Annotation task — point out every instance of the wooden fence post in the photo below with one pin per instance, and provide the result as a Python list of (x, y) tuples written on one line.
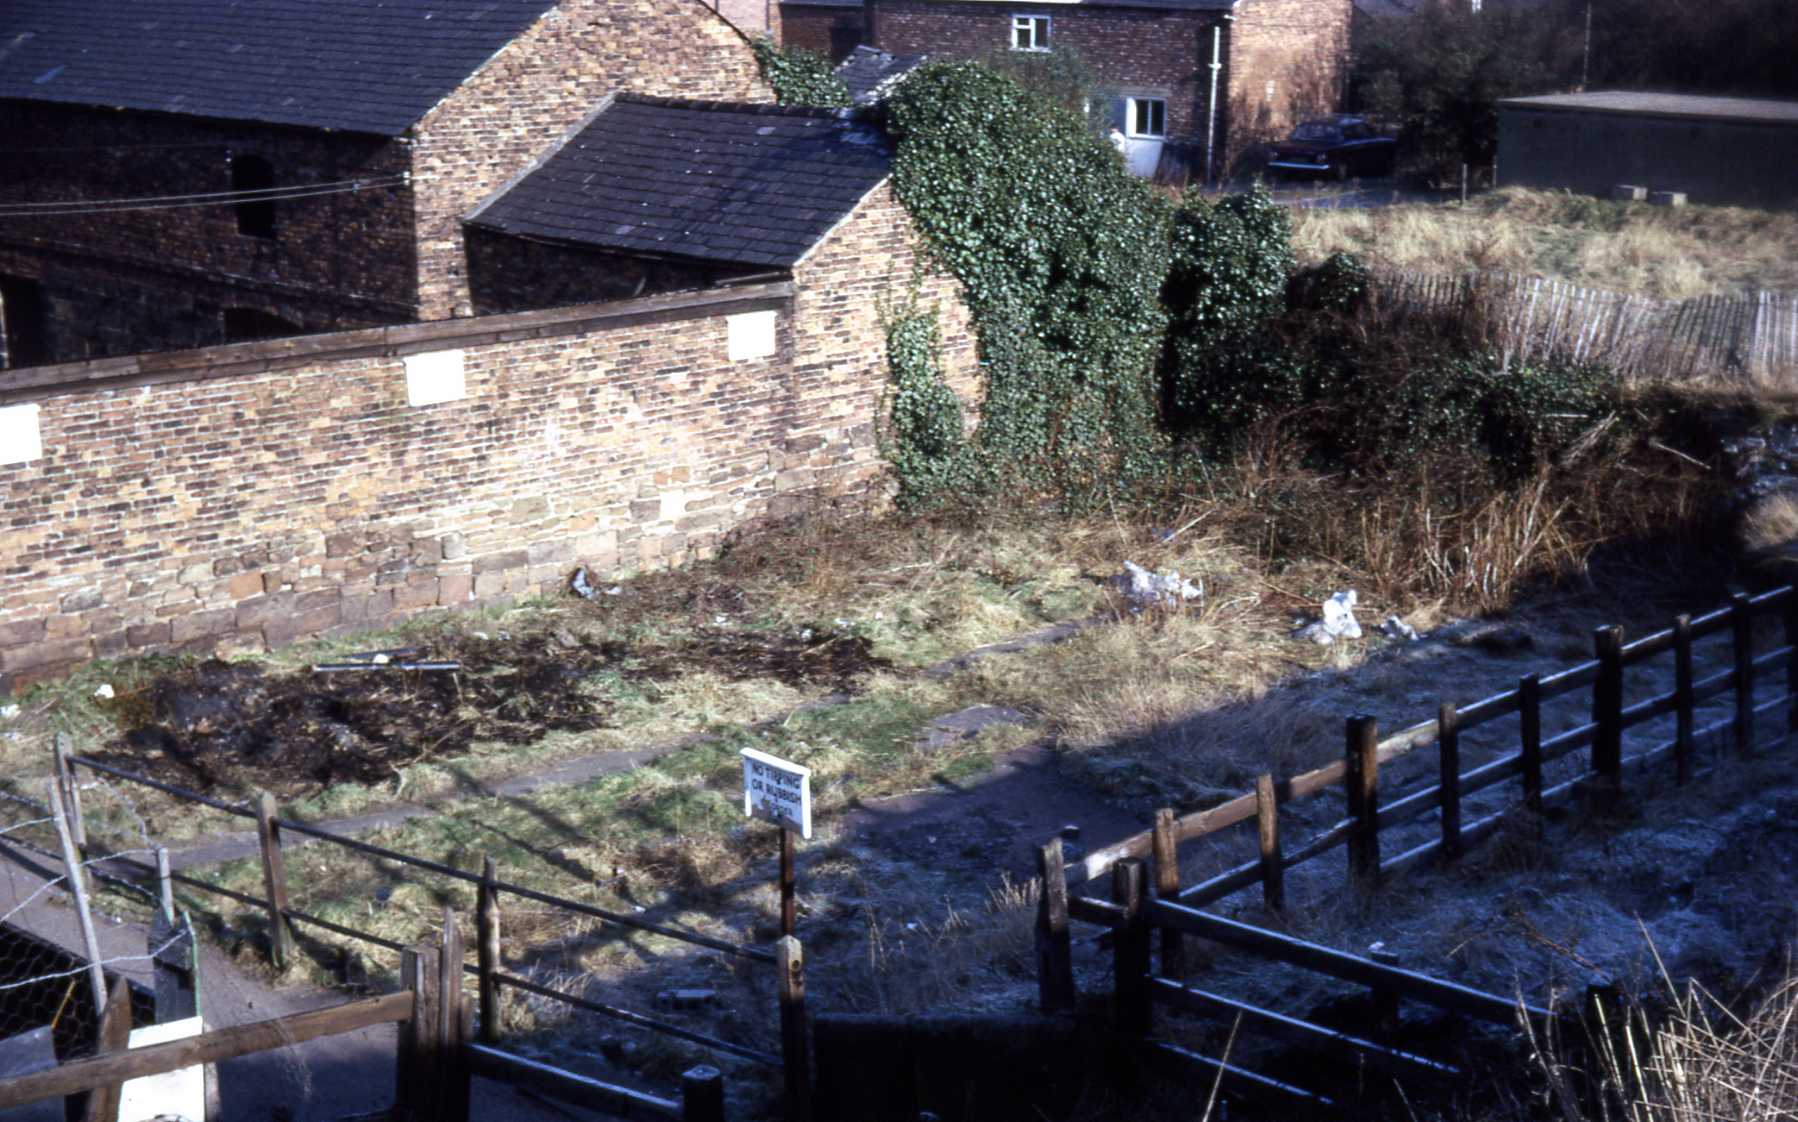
[(274, 880), (1165, 847), (702, 1094), (454, 1071), (789, 895), (1684, 738), (71, 792), (795, 1043), (1607, 711), (1362, 781), (1791, 641), (1529, 721), (1054, 946), (84, 916), (115, 1036), (487, 950), (417, 1096), (1273, 861), (1448, 741), (1130, 949), (1741, 621)]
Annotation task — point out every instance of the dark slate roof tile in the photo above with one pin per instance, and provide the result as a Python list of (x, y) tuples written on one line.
[(373, 66), (870, 73), (744, 184)]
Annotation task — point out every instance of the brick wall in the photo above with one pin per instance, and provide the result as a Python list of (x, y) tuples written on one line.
[(543, 83), (240, 497), (831, 29), (1288, 61), (122, 282)]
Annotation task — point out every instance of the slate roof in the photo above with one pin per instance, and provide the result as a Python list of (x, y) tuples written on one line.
[(714, 181), (1684, 106), (870, 73), (371, 66)]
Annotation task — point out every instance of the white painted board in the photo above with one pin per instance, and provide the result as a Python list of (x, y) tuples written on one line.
[(173, 1094), (777, 791), (750, 335), (21, 440), (434, 377)]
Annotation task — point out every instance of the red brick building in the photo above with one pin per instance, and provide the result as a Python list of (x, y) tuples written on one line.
[(1197, 81), (189, 175)]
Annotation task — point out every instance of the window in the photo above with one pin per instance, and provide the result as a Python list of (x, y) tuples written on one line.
[(1147, 117), (24, 323), (255, 217), (1029, 33)]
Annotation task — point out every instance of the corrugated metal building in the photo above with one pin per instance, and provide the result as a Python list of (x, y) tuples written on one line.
[(1717, 150)]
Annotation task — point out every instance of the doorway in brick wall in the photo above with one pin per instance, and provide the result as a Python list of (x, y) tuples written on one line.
[(24, 323)]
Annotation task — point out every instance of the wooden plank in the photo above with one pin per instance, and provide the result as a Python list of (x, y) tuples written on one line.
[(1339, 964), (1238, 1080), (1648, 709), (1223, 884), (567, 1087), (274, 880), (1607, 707), (1449, 779), (1529, 755), (115, 1037), (1639, 650), (1683, 698), (73, 876), (1270, 1023), (789, 884), (487, 950), (453, 1070), (1089, 910), (1166, 870), (208, 1048), (1487, 710), (1054, 947), (1267, 831), (1568, 680), (1789, 617), (702, 1094), (1742, 646), (1132, 1008), (795, 1032)]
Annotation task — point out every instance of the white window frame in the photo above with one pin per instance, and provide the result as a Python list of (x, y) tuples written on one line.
[(1130, 103), (1028, 25)]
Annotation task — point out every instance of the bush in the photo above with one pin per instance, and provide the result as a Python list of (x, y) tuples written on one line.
[(799, 76), (1061, 254)]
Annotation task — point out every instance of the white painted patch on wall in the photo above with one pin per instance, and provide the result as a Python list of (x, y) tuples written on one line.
[(21, 440), (751, 335), (435, 377), (552, 437)]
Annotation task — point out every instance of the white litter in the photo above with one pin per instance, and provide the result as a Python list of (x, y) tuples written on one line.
[(104, 693), (1396, 628), (1145, 589), (1338, 621), (8, 712)]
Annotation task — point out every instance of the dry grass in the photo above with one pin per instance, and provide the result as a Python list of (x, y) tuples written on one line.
[(1699, 1061), (1771, 523), (916, 966), (1625, 247)]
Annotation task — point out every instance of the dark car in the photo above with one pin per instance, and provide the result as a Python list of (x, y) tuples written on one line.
[(1341, 146)]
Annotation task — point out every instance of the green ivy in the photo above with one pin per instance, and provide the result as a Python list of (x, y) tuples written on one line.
[(1061, 254), (925, 443), (799, 76)]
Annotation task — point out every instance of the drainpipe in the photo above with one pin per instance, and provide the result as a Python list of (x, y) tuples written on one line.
[(1217, 38)]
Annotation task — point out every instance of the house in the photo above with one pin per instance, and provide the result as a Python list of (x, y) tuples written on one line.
[(830, 27), (1198, 81), (183, 174), (1713, 150)]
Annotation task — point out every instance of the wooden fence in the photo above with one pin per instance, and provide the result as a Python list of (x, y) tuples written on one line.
[(434, 1061), (786, 958), (1750, 338), (1146, 893)]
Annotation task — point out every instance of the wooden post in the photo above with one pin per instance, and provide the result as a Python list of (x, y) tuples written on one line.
[(795, 1042), (789, 905), (454, 1072), (174, 965), (165, 884), (1741, 621), (274, 881), (1448, 742), (1130, 950), (71, 790), (1363, 786), (417, 1095), (1165, 847), (115, 1036), (84, 916), (1607, 711), (1529, 720), (1273, 860), (702, 1094), (1791, 642), (487, 950), (1684, 738), (1054, 947)]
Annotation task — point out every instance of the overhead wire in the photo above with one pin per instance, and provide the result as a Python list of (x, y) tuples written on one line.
[(215, 198)]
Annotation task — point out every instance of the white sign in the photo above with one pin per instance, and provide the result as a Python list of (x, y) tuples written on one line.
[(435, 377), (750, 335), (21, 440), (777, 791)]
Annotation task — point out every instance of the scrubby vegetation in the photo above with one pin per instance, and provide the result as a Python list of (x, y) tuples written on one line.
[(800, 76)]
